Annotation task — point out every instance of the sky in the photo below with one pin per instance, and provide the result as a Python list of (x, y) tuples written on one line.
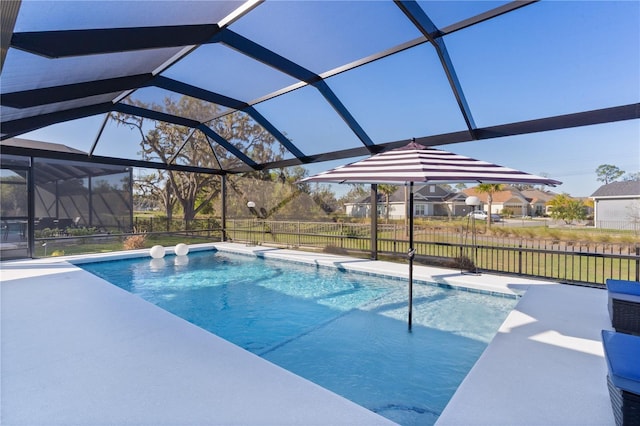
[(550, 58)]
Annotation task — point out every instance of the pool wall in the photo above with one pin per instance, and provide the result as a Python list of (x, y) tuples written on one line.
[(447, 278)]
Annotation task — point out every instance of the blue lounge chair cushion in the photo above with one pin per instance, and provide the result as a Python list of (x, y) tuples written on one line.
[(628, 291), (622, 352), (631, 288)]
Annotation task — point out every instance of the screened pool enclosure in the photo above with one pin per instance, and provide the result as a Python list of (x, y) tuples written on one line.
[(44, 197), (226, 88)]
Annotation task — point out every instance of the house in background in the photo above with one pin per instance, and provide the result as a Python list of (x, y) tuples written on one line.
[(617, 205), (509, 198), (538, 201), (436, 200), (428, 200), (526, 202)]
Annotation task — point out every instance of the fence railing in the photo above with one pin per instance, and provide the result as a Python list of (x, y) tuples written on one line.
[(628, 225), (105, 242), (450, 246), (565, 261), (162, 224)]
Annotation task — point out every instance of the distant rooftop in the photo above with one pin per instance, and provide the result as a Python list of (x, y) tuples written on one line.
[(618, 189), (39, 145)]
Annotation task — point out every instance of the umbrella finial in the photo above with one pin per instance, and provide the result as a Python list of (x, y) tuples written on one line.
[(411, 145)]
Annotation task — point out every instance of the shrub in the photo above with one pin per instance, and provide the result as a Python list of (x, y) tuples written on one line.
[(507, 212), (58, 253), (353, 231), (335, 250), (77, 232), (629, 239), (554, 234), (501, 231), (604, 238), (464, 263), (134, 242), (572, 237), (47, 233)]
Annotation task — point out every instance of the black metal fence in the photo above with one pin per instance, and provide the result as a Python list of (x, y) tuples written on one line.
[(153, 224), (565, 261), (148, 231), (588, 263)]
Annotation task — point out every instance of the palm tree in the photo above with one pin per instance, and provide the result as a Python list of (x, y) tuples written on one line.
[(489, 189), (387, 190)]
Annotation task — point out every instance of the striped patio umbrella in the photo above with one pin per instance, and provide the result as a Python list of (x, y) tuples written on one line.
[(415, 163)]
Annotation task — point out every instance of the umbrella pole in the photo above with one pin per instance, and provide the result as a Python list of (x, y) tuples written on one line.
[(411, 254)]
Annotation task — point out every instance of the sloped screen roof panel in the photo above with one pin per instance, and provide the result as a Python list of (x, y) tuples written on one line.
[(9, 113), (317, 80), (321, 36), (559, 68), (309, 122), (415, 101), (88, 14), (446, 13), (220, 69)]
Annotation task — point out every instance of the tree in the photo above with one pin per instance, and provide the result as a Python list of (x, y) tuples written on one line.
[(489, 189), (155, 189), (355, 193), (608, 173), (169, 143), (325, 199), (387, 190), (460, 186), (633, 215), (631, 177), (275, 199), (523, 186), (293, 175), (565, 208), (543, 187), (13, 196), (446, 186)]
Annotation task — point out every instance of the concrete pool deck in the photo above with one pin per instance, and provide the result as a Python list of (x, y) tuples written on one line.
[(77, 350)]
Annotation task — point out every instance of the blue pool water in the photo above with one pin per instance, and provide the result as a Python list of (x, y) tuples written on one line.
[(344, 331)]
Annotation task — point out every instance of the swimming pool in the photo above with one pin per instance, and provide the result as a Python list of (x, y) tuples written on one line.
[(344, 331)]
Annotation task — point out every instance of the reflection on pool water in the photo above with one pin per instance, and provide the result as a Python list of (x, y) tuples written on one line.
[(345, 331)]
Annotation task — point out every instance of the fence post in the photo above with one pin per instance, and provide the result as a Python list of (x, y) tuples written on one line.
[(637, 263), (520, 258), (395, 237)]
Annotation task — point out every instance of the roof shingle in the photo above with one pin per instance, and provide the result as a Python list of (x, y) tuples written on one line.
[(618, 189)]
